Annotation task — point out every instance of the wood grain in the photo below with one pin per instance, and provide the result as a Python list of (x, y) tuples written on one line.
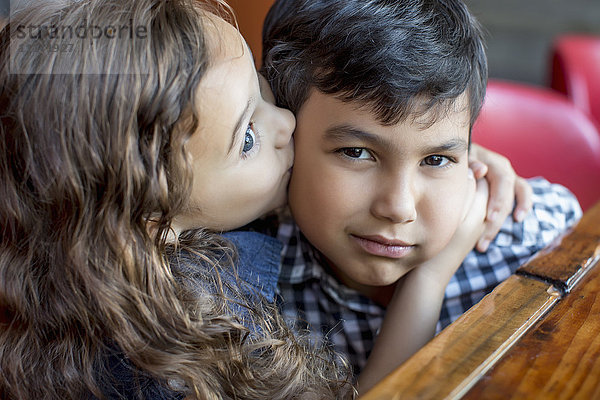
[(452, 362), (559, 358), (565, 261), (568, 258)]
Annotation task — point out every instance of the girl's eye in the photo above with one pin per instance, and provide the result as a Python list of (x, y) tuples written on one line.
[(249, 138), (358, 153), (436, 161)]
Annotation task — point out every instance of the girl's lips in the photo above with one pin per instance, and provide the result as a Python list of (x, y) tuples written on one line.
[(380, 246)]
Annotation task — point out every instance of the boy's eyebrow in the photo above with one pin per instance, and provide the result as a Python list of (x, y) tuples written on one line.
[(238, 126), (457, 144), (341, 133)]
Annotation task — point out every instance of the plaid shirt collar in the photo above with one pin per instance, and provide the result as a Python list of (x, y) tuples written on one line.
[(302, 263)]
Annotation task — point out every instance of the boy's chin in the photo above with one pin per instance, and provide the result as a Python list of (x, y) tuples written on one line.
[(380, 291), (381, 281)]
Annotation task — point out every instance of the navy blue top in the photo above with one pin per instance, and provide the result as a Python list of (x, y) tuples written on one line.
[(259, 261), (258, 266)]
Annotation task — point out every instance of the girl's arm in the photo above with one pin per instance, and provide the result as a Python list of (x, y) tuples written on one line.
[(414, 310), (508, 192)]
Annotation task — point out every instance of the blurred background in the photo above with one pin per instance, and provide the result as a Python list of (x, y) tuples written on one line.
[(519, 32)]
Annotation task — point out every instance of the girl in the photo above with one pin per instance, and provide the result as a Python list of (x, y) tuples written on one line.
[(124, 125)]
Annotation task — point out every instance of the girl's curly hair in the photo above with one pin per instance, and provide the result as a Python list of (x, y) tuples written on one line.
[(92, 153)]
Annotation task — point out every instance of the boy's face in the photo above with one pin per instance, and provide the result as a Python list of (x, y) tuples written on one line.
[(377, 200)]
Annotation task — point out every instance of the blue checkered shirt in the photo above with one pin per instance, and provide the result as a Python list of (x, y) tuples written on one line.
[(314, 300)]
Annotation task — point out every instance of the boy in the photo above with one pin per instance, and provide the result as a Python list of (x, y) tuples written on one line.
[(385, 94)]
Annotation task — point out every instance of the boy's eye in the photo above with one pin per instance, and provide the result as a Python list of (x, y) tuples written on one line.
[(357, 153), (436, 161), (249, 138)]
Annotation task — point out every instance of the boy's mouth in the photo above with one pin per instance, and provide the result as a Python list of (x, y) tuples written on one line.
[(383, 247)]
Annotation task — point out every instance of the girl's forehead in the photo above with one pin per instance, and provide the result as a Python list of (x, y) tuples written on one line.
[(224, 41), (228, 90)]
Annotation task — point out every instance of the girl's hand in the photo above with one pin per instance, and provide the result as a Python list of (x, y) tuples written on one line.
[(505, 188), (441, 268)]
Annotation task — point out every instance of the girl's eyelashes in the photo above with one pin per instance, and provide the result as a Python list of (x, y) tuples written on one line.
[(251, 141), (249, 138)]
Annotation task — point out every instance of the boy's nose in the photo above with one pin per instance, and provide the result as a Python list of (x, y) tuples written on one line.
[(396, 201), (285, 123)]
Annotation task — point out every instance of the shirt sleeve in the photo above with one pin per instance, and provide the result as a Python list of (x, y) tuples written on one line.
[(555, 209)]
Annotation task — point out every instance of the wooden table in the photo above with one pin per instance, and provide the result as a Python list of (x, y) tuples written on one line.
[(536, 336)]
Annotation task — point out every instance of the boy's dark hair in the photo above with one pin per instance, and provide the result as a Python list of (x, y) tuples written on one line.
[(398, 57)]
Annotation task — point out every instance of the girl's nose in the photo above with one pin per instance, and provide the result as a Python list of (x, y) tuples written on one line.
[(285, 124)]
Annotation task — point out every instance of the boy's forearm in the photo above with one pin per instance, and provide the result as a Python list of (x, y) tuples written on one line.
[(409, 324), (411, 316)]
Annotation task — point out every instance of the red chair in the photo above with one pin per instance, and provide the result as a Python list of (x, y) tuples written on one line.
[(543, 134), (576, 71)]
